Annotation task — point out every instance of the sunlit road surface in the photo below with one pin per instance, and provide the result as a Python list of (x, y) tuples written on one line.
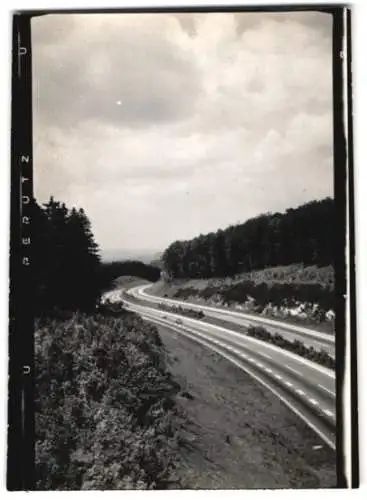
[(307, 388), (310, 338)]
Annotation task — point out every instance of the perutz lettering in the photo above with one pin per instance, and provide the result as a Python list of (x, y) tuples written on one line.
[(25, 199), (24, 179), (26, 241), (26, 220), (26, 370), (22, 51), (24, 159), (25, 261)]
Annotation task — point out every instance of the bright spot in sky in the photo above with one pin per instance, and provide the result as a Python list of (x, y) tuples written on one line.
[(119, 103)]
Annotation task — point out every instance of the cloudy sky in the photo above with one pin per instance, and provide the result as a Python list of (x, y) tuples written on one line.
[(165, 126)]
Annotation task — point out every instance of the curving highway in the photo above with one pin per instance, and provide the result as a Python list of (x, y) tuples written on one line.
[(307, 388), (318, 340)]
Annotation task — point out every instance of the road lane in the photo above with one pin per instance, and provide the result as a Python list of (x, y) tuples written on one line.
[(309, 337), (308, 372), (319, 414)]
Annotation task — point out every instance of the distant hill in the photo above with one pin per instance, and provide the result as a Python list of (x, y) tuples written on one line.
[(146, 256), (110, 271)]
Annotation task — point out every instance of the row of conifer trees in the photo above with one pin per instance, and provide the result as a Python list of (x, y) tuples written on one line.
[(305, 235), (65, 260)]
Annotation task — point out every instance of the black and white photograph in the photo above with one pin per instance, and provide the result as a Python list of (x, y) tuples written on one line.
[(187, 282)]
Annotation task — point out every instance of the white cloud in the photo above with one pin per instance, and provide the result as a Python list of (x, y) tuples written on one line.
[(171, 125)]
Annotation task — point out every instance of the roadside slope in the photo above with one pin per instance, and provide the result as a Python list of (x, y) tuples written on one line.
[(104, 404), (295, 294)]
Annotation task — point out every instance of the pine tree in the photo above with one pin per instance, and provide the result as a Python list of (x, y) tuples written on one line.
[(66, 259)]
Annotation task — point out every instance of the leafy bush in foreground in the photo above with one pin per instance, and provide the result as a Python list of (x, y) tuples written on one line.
[(321, 357), (105, 415)]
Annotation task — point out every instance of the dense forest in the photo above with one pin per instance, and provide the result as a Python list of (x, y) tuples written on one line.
[(67, 270), (303, 235)]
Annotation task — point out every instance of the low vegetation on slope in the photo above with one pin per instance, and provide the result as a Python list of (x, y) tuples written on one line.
[(297, 274), (105, 412), (256, 298)]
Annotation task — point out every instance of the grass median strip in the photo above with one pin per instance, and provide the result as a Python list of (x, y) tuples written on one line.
[(191, 313), (297, 347)]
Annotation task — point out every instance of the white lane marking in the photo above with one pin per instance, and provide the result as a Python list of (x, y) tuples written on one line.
[(317, 447), (329, 413), (300, 392), (306, 362), (259, 379), (313, 401), (266, 355), (278, 376), (293, 370), (326, 389), (259, 365), (252, 360), (268, 370), (289, 384)]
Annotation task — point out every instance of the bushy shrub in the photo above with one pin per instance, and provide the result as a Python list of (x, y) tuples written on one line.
[(105, 413), (185, 293), (293, 273)]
